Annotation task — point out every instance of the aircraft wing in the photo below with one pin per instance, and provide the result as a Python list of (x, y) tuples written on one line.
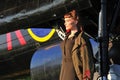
[(22, 14)]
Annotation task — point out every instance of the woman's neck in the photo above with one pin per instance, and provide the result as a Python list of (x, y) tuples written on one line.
[(72, 33)]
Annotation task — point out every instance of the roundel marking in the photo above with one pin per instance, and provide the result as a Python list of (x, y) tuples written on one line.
[(43, 38)]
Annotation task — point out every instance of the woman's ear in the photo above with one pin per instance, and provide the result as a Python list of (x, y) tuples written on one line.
[(77, 18), (76, 21)]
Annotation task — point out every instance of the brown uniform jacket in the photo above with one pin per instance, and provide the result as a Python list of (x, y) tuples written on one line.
[(67, 68), (83, 58)]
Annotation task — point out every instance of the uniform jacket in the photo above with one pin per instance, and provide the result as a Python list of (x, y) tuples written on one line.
[(82, 57), (67, 68)]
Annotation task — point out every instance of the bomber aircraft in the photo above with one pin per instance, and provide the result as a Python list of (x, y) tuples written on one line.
[(24, 23)]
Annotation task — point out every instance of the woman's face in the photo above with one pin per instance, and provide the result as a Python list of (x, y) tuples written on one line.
[(70, 23)]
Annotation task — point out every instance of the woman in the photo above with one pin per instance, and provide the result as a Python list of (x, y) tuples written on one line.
[(77, 62)]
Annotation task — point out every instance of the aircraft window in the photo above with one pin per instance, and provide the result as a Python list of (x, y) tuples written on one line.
[(45, 63)]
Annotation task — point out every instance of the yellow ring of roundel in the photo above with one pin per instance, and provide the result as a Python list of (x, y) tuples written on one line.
[(41, 39)]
